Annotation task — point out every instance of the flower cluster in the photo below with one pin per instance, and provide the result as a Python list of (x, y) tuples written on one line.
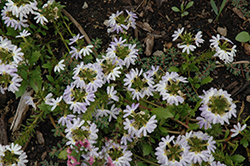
[(192, 148), (12, 155), (187, 40), (217, 107), (120, 23), (137, 124), (81, 49), (139, 84), (11, 56), (169, 88), (225, 48)]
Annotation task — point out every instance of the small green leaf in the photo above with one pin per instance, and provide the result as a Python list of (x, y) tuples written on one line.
[(63, 154), (189, 4), (35, 56), (222, 5), (21, 90), (197, 86), (147, 149), (173, 69), (162, 129), (50, 78), (47, 66), (206, 80), (237, 158), (243, 37), (194, 126), (162, 113), (185, 13), (214, 7), (33, 84), (175, 9), (244, 142)]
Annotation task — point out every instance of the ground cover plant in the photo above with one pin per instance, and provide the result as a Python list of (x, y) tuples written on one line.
[(116, 106)]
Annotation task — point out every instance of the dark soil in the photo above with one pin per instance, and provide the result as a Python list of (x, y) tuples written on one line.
[(163, 21)]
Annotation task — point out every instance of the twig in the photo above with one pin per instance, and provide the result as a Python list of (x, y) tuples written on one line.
[(79, 27), (139, 5), (239, 62), (53, 123)]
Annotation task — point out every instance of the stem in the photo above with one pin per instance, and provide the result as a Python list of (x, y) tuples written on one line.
[(150, 102), (67, 27), (62, 39), (53, 123), (180, 122), (150, 162)]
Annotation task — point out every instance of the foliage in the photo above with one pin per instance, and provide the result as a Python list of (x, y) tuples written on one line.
[(215, 9), (118, 105), (183, 9)]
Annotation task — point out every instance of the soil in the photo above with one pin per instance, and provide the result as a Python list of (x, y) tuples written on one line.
[(163, 21)]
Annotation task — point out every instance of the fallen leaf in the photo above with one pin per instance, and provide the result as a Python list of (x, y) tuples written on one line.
[(247, 48), (145, 26), (149, 40), (158, 53), (222, 31), (39, 137), (239, 13), (21, 111)]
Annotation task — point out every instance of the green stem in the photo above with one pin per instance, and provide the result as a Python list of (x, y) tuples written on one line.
[(147, 161), (67, 27), (150, 102), (62, 40)]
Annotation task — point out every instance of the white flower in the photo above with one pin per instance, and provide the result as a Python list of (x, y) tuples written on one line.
[(14, 148), (40, 18), (177, 33), (23, 34), (86, 50), (187, 48), (30, 101), (56, 102), (111, 93), (215, 41), (59, 66), (198, 39), (237, 129)]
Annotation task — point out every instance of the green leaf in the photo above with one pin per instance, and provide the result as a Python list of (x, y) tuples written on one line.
[(194, 126), (162, 113), (206, 80), (189, 4), (50, 78), (185, 13), (63, 154), (47, 66), (243, 37), (11, 32), (175, 9), (173, 69), (162, 129), (35, 56), (222, 6), (197, 86), (244, 142), (33, 84), (147, 149), (214, 7), (237, 158), (33, 26), (22, 89)]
